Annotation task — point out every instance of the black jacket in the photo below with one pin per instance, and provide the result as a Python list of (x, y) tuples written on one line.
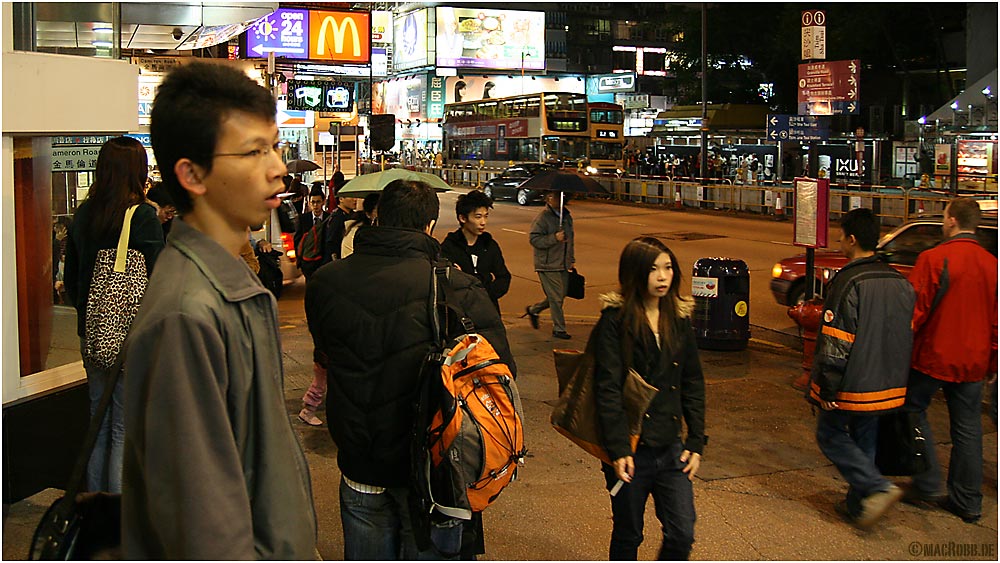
[(370, 314), (863, 348), (145, 235), (490, 267), (335, 234), (678, 377)]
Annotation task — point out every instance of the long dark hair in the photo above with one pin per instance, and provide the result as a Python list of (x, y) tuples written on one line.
[(119, 182), (636, 262)]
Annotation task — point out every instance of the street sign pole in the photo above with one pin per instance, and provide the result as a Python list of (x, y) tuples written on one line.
[(704, 93)]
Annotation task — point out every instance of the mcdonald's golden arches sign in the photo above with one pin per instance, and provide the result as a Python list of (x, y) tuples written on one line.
[(340, 36)]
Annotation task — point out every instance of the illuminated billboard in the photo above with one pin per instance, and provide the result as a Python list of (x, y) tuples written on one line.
[(320, 95), (405, 98), (381, 27), (282, 32), (495, 39), (340, 36), (410, 40)]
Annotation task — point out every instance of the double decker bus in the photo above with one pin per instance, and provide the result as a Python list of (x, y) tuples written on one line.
[(550, 127), (607, 138)]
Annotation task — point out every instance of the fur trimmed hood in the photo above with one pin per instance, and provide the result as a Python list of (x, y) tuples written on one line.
[(614, 299)]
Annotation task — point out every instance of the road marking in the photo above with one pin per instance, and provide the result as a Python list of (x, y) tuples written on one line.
[(513, 231), (628, 223)]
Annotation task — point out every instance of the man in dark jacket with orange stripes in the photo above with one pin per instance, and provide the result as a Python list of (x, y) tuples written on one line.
[(861, 366)]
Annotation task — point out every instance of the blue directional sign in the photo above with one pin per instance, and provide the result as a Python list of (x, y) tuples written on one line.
[(781, 127)]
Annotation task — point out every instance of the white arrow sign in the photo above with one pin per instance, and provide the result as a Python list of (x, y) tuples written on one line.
[(853, 67), (774, 120), (852, 81), (261, 49), (774, 134), (851, 107), (852, 94)]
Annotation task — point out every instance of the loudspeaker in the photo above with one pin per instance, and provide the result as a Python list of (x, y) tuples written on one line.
[(383, 131)]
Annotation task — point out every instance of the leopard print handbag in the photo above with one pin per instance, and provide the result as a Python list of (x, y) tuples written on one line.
[(116, 288)]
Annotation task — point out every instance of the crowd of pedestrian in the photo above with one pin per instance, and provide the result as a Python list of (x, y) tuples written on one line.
[(202, 449)]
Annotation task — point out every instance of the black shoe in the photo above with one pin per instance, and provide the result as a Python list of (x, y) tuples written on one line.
[(533, 317), (947, 504), (926, 501), (841, 508), (562, 335)]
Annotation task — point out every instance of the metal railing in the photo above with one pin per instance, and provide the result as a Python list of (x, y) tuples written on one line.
[(892, 205)]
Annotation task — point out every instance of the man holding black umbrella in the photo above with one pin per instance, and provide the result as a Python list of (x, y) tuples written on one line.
[(552, 238)]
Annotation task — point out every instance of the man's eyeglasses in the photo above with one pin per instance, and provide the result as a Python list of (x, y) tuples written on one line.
[(259, 152)]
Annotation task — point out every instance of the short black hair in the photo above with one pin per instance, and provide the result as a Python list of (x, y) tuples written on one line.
[(370, 202), (190, 106), (467, 203), (407, 204), (317, 190), (863, 225), (158, 195)]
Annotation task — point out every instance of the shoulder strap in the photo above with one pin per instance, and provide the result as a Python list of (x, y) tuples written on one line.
[(75, 484), (122, 251)]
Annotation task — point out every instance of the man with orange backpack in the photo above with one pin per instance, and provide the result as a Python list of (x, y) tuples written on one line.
[(379, 333)]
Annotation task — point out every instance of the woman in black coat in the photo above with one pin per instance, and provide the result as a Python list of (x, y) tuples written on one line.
[(647, 327), (473, 250)]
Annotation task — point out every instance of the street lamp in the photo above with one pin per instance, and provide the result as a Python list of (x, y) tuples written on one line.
[(954, 112)]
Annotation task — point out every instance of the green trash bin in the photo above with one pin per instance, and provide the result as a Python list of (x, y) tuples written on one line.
[(721, 291)]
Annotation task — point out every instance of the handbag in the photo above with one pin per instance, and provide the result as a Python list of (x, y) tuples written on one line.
[(116, 288), (902, 448), (83, 525), (575, 412), (576, 286)]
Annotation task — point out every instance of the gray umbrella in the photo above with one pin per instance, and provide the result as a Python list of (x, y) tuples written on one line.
[(300, 166)]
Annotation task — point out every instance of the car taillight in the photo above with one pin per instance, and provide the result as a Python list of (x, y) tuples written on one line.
[(288, 244)]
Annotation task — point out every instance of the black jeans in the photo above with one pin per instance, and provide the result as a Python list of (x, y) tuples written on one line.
[(658, 471)]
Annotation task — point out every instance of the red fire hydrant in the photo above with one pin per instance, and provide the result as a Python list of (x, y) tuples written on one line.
[(808, 316)]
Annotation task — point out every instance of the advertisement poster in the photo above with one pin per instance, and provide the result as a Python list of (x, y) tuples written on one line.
[(404, 98), (320, 95), (381, 27), (942, 159), (976, 164), (483, 38), (410, 40), (475, 88)]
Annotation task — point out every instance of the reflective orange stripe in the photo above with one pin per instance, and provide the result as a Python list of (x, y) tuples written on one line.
[(880, 406), (837, 333), (872, 395)]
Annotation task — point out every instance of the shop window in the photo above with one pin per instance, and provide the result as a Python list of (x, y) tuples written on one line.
[(44, 202)]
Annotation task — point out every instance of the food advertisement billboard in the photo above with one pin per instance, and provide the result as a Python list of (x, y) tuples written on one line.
[(410, 40), (495, 39)]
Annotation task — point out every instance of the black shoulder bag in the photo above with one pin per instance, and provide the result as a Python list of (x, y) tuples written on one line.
[(83, 525)]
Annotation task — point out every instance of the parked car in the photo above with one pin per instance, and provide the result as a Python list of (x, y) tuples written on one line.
[(508, 184), (900, 247)]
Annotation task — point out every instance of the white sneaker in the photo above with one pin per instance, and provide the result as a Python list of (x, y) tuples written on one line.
[(310, 418)]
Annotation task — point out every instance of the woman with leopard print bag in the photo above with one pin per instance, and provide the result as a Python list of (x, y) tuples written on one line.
[(114, 241)]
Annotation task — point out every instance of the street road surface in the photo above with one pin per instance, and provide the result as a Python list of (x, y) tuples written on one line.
[(603, 229)]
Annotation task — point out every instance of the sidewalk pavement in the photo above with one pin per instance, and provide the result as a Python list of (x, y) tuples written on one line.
[(764, 490)]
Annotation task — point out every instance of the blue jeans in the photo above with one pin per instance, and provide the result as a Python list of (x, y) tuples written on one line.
[(965, 469), (849, 441), (104, 470), (378, 528), (658, 471)]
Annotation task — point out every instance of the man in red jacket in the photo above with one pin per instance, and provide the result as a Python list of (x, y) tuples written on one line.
[(954, 348)]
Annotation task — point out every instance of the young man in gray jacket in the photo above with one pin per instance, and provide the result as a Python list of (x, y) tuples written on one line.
[(213, 469), (552, 238)]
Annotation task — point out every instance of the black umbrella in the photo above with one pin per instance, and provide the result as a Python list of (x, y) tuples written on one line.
[(300, 166), (564, 182)]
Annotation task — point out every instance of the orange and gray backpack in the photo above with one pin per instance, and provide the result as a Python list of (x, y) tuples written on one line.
[(468, 437)]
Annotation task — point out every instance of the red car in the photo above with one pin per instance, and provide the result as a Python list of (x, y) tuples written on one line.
[(901, 246)]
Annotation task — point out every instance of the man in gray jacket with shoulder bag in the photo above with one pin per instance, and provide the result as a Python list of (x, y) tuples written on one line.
[(552, 238)]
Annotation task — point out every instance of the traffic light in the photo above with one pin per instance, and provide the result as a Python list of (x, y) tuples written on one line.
[(383, 131)]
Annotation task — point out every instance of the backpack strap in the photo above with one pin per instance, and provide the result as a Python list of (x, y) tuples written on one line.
[(122, 251)]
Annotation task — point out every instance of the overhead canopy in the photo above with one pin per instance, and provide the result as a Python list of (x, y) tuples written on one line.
[(145, 25), (721, 117), (972, 96)]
